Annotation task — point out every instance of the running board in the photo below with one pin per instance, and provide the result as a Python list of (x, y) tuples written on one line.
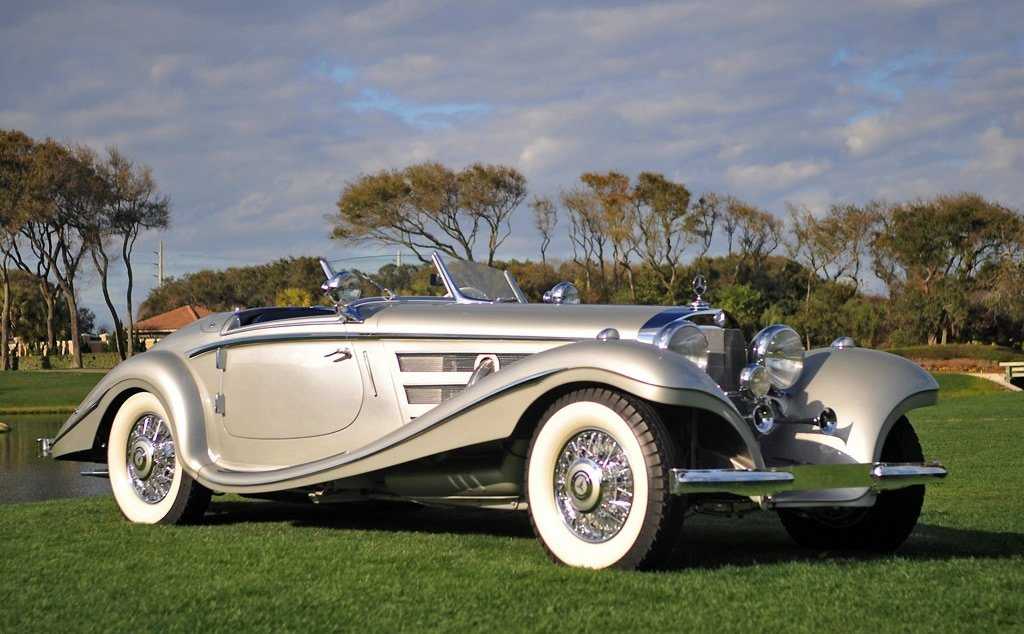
[(877, 476)]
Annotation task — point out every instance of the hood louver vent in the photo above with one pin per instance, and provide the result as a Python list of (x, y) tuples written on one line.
[(451, 362)]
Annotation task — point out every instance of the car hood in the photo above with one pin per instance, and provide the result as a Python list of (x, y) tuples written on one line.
[(564, 321)]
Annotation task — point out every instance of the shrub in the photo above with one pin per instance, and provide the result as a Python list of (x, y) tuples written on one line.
[(91, 361)]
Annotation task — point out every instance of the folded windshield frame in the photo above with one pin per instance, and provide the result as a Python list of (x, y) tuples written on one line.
[(473, 283)]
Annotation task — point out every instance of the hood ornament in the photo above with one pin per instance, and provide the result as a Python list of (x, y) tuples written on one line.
[(700, 286)]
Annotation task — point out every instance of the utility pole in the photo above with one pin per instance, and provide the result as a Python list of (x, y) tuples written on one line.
[(160, 264)]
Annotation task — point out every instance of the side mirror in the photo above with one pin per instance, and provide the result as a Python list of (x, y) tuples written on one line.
[(344, 287), (562, 293)]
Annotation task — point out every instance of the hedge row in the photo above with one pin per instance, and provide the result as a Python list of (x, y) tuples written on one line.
[(986, 352), (98, 360)]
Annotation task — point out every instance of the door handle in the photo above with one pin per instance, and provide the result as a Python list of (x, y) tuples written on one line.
[(343, 355)]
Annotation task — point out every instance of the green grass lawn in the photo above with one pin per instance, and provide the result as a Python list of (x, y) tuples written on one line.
[(44, 391), (77, 565)]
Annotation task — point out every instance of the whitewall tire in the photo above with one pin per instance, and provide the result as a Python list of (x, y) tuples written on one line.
[(597, 482), (146, 477)]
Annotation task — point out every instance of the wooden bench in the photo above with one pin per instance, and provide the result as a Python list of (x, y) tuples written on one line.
[(1014, 371)]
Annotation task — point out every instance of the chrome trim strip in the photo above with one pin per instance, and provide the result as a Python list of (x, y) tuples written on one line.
[(394, 439), (350, 336), (369, 373), (876, 476)]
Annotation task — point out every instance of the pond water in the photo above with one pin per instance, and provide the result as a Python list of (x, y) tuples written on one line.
[(27, 477)]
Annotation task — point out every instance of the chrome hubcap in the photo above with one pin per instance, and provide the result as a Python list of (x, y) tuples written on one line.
[(593, 486), (151, 458)]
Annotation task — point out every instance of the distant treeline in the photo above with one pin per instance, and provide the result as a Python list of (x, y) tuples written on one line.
[(952, 266)]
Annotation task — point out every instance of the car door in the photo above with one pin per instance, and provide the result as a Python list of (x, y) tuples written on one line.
[(289, 388)]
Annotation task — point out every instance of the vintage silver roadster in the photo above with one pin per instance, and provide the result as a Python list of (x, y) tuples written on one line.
[(609, 424)]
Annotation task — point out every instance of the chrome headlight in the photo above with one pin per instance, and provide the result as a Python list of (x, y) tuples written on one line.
[(779, 349), (684, 338)]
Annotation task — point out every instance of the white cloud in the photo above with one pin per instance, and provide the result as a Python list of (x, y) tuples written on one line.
[(774, 177), (872, 133), (733, 151), (243, 126), (997, 151)]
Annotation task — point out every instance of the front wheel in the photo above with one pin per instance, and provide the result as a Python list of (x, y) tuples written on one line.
[(879, 528), (146, 477), (597, 482)]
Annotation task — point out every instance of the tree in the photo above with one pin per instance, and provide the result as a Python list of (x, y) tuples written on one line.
[(71, 192), (703, 220), (416, 207), (588, 237), (15, 166), (545, 218), (757, 234), (834, 246), (28, 312), (933, 256), (427, 206), (664, 227), (489, 194), (613, 195), (293, 296), (130, 204)]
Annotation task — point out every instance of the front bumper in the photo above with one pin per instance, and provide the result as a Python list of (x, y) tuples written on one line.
[(877, 476)]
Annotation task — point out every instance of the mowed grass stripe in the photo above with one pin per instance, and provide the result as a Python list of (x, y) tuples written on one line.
[(45, 391)]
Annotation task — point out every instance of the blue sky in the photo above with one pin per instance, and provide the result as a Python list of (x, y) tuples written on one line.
[(253, 117)]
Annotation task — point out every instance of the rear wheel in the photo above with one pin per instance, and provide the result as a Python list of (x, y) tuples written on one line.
[(879, 528), (597, 482), (146, 477)]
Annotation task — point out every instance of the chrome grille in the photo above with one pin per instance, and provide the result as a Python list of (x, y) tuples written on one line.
[(431, 394), (727, 354), (449, 362), (735, 358)]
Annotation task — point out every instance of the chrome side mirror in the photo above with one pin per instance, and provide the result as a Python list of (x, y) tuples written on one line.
[(562, 293), (344, 287)]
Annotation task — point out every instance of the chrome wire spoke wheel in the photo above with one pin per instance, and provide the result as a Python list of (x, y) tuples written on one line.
[(593, 486), (150, 458)]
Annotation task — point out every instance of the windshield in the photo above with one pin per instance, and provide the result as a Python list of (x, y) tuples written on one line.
[(480, 282)]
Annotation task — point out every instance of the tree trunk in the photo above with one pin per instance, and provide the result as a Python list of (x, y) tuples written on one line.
[(5, 319), (129, 325), (102, 267), (630, 281), (51, 316), (76, 338)]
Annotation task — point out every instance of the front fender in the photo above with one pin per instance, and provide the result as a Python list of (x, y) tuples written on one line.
[(868, 389), (159, 372)]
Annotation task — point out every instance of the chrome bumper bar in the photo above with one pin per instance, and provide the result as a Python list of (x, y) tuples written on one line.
[(877, 476)]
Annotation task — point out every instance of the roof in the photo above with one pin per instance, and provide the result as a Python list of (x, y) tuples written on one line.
[(173, 319)]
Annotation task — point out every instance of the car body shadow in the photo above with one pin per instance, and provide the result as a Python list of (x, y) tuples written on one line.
[(706, 542)]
